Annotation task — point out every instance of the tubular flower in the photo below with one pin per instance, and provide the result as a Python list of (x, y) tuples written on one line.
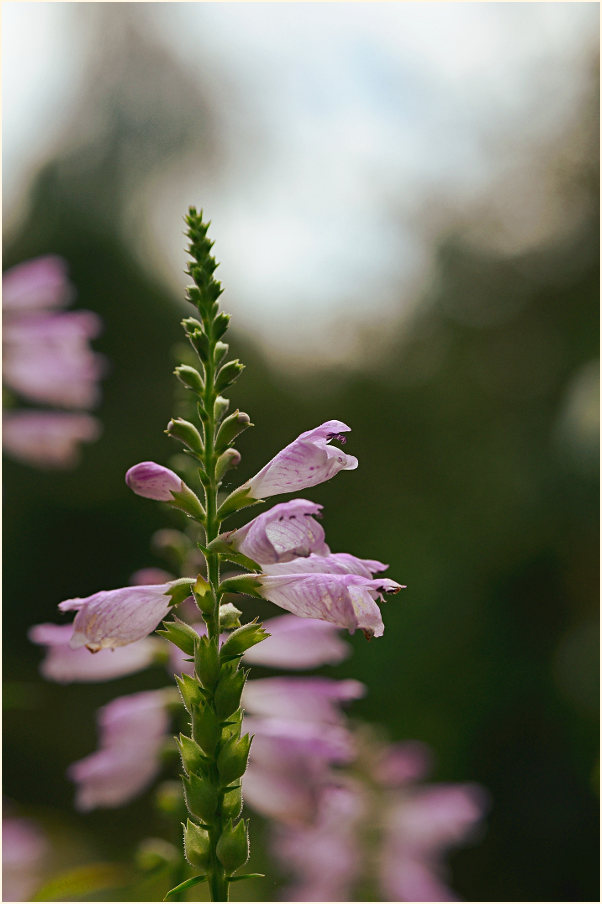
[(305, 462), (47, 439), (346, 600), (133, 731), (335, 563), (153, 481), (114, 618), (64, 664), (311, 699), (298, 643), (284, 532)]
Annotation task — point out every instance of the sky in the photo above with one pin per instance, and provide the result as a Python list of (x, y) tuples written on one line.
[(379, 124)]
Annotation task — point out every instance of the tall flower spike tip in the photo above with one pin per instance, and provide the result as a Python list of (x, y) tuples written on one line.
[(307, 461)]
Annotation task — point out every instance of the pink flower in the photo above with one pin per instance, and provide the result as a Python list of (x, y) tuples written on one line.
[(64, 664), (307, 699), (133, 731), (153, 481), (325, 857), (305, 462), (23, 848), (36, 285), (47, 439), (283, 532), (346, 600), (298, 643), (114, 618), (421, 825), (334, 563)]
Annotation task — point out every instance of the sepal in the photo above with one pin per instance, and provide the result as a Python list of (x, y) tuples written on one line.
[(192, 693), (191, 378), (193, 758), (232, 759), (190, 503), (233, 846), (242, 583), (203, 594), (180, 634), (219, 353), (197, 845), (206, 728), (228, 691), (179, 591), (232, 803), (201, 797), (206, 662), (220, 325), (238, 499), (242, 639)]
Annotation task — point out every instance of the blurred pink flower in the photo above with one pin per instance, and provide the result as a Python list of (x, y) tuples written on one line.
[(64, 664), (346, 600), (47, 439), (23, 848), (47, 359), (283, 532), (305, 462), (133, 731), (114, 618), (309, 699), (298, 643)]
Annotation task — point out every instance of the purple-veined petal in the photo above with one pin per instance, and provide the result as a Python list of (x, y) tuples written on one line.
[(305, 462), (283, 532), (298, 643), (64, 664), (345, 600), (309, 699), (47, 439), (114, 618), (154, 481), (334, 563)]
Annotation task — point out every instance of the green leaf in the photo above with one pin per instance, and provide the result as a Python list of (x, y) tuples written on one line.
[(183, 886), (246, 876)]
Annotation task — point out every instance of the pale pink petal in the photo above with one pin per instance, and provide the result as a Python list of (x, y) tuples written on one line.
[(298, 643), (151, 576), (114, 618), (153, 481), (47, 439), (334, 563), (305, 462), (309, 699), (23, 849), (64, 664), (283, 532), (37, 284), (435, 817), (345, 600), (399, 764)]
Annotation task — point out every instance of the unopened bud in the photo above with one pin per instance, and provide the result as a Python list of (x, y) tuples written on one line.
[(203, 594), (187, 433), (231, 427), (232, 805), (190, 377), (231, 458), (193, 758), (232, 759), (180, 634), (242, 639), (192, 695), (206, 663), (197, 845), (220, 324), (228, 374), (220, 408), (221, 350), (206, 728), (229, 616), (228, 691), (233, 846), (201, 797)]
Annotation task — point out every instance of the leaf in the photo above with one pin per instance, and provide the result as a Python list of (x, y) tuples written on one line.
[(183, 886), (247, 876), (83, 880)]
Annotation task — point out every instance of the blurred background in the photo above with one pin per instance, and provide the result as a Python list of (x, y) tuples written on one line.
[(404, 199)]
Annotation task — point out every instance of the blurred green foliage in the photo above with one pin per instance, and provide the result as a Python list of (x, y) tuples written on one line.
[(477, 483)]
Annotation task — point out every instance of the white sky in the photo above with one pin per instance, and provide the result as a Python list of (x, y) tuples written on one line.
[(370, 113)]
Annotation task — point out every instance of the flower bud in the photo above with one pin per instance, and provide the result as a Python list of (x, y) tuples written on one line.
[(153, 481), (221, 350), (197, 336), (153, 853), (232, 759), (233, 846), (228, 691), (180, 634), (230, 429), (231, 728), (206, 728), (231, 458), (201, 797), (229, 616), (193, 758), (197, 846), (220, 407), (190, 377), (232, 804), (228, 374), (187, 433), (220, 325), (206, 662), (243, 638)]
